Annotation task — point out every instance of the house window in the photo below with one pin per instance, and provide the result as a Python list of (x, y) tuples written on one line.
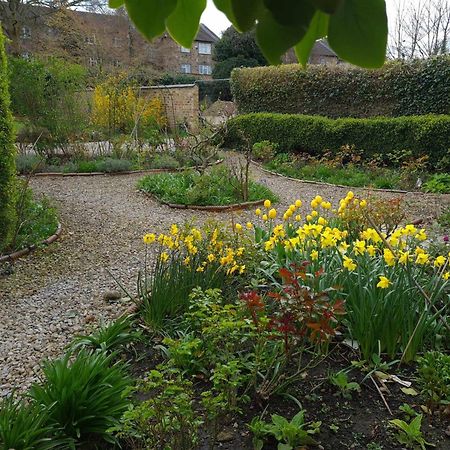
[(90, 39), (185, 50), (26, 55), (25, 33), (93, 62), (116, 41), (204, 48), (204, 70), (116, 63), (185, 68)]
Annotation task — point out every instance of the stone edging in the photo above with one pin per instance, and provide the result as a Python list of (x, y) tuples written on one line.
[(128, 172), (25, 251), (321, 183), (221, 208)]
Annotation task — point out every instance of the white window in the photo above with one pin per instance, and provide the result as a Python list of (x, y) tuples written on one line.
[(25, 33), (93, 62), (116, 41), (185, 68), (204, 70), (26, 55), (185, 50), (90, 39), (204, 48)]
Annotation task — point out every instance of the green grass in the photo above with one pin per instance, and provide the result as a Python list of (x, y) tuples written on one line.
[(216, 188), (347, 176)]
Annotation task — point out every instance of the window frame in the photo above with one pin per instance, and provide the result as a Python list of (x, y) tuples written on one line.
[(187, 66), (207, 45)]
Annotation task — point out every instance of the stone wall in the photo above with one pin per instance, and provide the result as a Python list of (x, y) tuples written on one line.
[(180, 101)]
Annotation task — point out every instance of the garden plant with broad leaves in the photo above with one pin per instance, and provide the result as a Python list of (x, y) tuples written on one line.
[(357, 30)]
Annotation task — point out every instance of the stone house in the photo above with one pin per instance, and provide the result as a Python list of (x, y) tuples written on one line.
[(101, 42), (321, 53)]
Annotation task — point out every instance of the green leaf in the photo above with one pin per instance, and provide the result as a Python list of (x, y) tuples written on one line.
[(317, 29), (282, 446), (291, 12), (409, 391), (328, 6), (184, 21), (275, 39), (150, 16), (245, 13), (358, 32), (226, 7), (298, 419), (114, 4)]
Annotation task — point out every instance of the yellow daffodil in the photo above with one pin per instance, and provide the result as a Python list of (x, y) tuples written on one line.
[(186, 260), (422, 258), (298, 203), (321, 221), (164, 256), (384, 282), (149, 238), (174, 230), (211, 257), (267, 204), (389, 257), (404, 258), (249, 225), (314, 255), (258, 212), (359, 247), (446, 276), (439, 261), (421, 235), (264, 217), (349, 264), (238, 227), (298, 218), (363, 203), (371, 250), (272, 213)]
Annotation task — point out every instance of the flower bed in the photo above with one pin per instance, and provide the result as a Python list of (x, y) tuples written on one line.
[(216, 188), (320, 324)]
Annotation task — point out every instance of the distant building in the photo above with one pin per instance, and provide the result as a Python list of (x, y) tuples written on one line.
[(102, 41), (321, 53)]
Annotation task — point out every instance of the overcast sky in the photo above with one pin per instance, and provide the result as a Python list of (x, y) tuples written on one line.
[(218, 23)]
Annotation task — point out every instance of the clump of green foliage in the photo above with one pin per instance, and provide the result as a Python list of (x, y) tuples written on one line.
[(7, 156), (85, 396), (218, 188), (410, 434), (438, 183), (434, 377)]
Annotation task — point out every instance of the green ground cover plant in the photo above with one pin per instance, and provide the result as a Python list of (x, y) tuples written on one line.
[(219, 187)]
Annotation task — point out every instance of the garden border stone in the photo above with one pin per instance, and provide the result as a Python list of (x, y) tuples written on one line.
[(27, 250), (209, 208), (128, 172), (322, 183)]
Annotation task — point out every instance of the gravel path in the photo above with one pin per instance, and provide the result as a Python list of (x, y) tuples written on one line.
[(59, 291)]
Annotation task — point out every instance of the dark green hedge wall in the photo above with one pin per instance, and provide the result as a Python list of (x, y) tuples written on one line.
[(7, 155), (398, 89), (421, 135), (213, 90)]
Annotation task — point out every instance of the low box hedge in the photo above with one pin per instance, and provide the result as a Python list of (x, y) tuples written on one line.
[(422, 135)]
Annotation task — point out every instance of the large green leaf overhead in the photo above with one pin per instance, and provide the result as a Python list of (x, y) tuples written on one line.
[(358, 32), (184, 21), (356, 29)]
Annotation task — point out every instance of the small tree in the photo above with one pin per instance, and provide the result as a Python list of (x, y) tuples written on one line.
[(7, 155)]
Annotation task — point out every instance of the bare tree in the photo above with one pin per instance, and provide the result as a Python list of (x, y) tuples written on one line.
[(421, 29), (14, 14)]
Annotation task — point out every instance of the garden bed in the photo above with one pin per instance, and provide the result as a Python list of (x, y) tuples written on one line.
[(217, 190), (400, 180)]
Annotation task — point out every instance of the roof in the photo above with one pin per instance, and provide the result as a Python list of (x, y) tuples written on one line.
[(206, 35), (322, 48)]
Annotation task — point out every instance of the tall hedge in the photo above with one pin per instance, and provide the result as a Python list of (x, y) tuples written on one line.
[(398, 89), (422, 135), (7, 154)]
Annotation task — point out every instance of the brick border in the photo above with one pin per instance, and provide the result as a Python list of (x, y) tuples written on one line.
[(25, 251)]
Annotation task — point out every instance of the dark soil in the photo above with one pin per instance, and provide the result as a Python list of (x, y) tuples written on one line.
[(359, 422)]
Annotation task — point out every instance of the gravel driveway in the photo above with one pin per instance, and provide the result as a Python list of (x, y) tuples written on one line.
[(59, 291)]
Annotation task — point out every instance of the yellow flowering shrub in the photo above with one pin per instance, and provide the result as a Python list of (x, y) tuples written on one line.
[(117, 106)]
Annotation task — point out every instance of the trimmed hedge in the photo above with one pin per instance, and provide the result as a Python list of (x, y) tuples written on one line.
[(429, 135), (7, 155), (398, 89)]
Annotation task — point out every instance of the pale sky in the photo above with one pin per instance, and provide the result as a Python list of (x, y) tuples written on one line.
[(217, 22)]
